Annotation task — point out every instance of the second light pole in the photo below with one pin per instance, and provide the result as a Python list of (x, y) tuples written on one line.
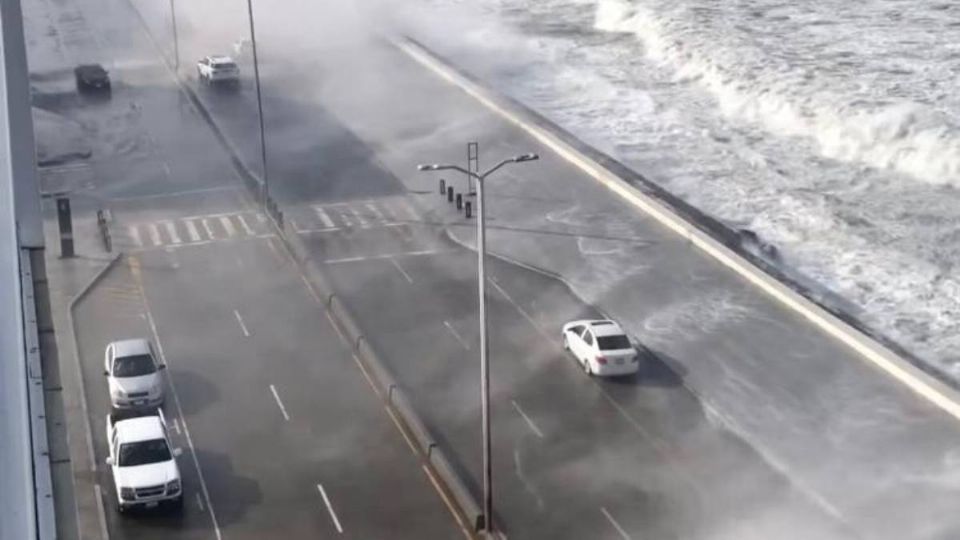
[(482, 291), (256, 79)]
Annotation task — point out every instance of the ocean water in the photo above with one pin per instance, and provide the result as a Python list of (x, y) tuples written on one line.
[(830, 128)]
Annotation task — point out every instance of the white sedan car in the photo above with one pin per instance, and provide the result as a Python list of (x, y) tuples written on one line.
[(601, 347), (133, 375)]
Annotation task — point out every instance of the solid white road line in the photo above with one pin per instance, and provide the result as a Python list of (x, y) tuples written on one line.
[(171, 232), (242, 326), (135, 235), (324, 218), (398, 267), (530, 423), (276, 396), (333, 515), (616, 525), (192, 230), (227, 225), (206, 227), (154, 234), (101, 512), (375, 257), (245, 225), (176, 401), (456, 335)]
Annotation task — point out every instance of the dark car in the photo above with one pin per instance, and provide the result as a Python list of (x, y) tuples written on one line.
[(92, 78)]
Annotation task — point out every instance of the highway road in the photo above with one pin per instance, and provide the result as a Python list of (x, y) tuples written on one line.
[(874, 457), (283, 435), (797, 437)]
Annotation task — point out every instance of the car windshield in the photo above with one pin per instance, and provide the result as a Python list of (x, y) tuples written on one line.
[(133, 366), (225, 65), (613, 343), (144, 453)]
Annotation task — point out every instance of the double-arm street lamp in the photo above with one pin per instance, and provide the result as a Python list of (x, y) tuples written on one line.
[(482, 289)]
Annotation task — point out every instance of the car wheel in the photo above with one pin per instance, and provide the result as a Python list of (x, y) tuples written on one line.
[(121, 509), (587, 369)]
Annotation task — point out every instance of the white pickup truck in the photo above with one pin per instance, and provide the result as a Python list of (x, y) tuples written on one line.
[(142, 461)]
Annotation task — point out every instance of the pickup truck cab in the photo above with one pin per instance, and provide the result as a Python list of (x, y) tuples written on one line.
[(143, 463), (218, 69)]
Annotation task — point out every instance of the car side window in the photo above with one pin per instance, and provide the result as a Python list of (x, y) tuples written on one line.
[(577, 330), (588, 338)]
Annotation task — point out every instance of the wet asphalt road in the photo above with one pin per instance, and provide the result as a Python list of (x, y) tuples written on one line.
[(575, 457)]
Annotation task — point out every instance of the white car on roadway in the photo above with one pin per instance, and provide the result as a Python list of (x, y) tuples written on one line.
[(133, 375), (601, 347), (142, 461), (218, 69)]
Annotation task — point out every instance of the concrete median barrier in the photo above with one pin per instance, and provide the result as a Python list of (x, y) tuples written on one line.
[(457, 489)]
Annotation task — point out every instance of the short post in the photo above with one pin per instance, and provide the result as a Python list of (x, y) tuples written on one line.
[(467, 209), (459, 201), (449, 193), (443, 186), (66, 227)]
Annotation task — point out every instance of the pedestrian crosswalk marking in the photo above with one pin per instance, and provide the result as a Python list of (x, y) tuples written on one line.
[(324, 218), (346, 219), (409, 210), (376, 212), (135, 236), (246, 227), (206, 227), (359, 216), (261, 218), (154, 234), (172, 232), (192, 230), (227, 225)]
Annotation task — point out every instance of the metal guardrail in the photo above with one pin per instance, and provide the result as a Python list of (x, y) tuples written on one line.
[(26, 501)]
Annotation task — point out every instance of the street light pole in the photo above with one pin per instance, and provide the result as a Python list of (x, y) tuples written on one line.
[(256, 78), (484, 342), (176, 39)]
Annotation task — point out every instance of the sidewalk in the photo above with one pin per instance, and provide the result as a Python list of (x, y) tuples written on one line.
[(75, 480)]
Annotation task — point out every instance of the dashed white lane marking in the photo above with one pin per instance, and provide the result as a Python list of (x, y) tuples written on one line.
[(400, 268), (276, 396), (533, 427), (616, 525), (244, 225), (360, 219), (333, 515), (456, 335), (154, 234), (176, 425), (192, 230), (227, 225), (242, 325), (324, 218), (206, 226), (135, 235), (172, 232), (199, 501)]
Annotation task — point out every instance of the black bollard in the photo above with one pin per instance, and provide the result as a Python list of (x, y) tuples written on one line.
[(467, 211), (66, 227), (459, 201), (443, 186), (449, 193)]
